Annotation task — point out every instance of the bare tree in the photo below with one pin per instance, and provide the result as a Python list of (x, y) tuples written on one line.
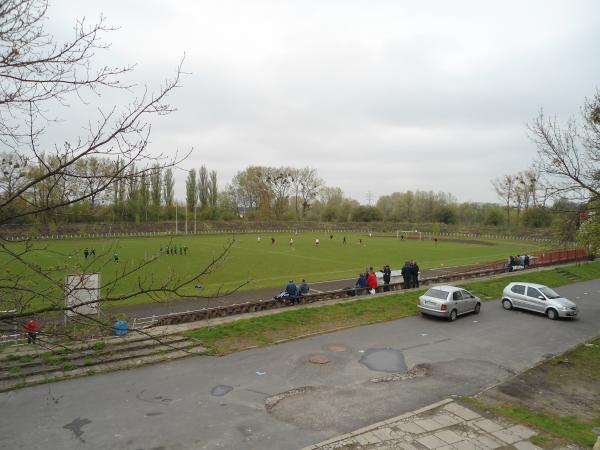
[(569, 154), (504, 188), (39, 74), (306, 185), (280, 181)]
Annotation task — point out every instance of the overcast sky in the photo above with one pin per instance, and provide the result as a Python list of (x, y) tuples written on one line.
[(378, 96)]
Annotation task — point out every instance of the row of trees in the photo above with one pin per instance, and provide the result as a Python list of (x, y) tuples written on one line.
[(258, 192), (202, 190)]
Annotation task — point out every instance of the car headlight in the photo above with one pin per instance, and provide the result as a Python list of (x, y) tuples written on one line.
[(564, 308)]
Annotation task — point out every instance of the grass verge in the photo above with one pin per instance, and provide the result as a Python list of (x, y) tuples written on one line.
[(567, 428), (266, 330)]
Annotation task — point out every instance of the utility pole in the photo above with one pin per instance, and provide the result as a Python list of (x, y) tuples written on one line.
[(176, 228), (186, 211), (195, 207)]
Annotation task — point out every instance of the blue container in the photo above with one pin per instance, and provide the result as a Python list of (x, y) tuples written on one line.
[(121, 328)]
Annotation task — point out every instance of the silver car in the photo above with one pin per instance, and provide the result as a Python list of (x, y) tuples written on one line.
[(449, 302), (538, 298)]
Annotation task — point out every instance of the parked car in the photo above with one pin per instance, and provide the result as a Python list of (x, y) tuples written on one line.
[(538, 298), (449, 302)]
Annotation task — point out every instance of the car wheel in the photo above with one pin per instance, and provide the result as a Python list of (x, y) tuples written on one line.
[(453, 315), (552, 314), (507, 304), (477, 309)]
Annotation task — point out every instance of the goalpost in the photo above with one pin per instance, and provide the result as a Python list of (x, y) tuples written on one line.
[(409, 234)]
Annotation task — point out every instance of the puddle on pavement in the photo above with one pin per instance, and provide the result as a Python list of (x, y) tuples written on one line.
[(220, 390), (384, 360)]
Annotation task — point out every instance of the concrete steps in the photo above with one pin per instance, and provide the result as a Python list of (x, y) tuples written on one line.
[(33, 366), (568, 275)]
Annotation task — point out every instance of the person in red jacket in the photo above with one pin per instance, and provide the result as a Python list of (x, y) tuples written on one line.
[(371, 280), (32, 328)]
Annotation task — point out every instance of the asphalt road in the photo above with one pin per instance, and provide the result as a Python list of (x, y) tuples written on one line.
[(212, 402)]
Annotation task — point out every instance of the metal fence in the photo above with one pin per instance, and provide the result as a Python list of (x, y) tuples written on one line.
[(424, 234)]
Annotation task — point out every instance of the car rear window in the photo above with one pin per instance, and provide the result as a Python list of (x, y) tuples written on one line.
[(437, 293), (518, 289)]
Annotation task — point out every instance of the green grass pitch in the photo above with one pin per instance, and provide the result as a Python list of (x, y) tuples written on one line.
[(258, 261)]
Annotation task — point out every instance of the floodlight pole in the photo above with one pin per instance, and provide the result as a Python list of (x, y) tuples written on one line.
[(176, 228), (195, 208), (186, 211)]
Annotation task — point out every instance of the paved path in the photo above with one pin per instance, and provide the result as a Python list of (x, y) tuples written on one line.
[(444, 425), (295, 394), (180, 305)]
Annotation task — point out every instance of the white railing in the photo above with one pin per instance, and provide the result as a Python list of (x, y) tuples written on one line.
[(12, 339), (247, 231)]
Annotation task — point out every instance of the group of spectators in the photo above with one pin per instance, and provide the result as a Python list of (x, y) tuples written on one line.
[(518, 262), (367, 281), (293, 292), (172, 249), (410, 274)]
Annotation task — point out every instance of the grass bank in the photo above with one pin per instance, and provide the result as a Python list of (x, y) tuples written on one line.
[(267, 330)]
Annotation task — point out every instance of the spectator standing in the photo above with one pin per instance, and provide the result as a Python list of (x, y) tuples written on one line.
[(406, 275), (415, 268), (32, 327), (86, 253), (387, 277), (371, 281)]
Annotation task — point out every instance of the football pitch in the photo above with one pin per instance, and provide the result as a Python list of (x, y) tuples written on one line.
[(257, 262)]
